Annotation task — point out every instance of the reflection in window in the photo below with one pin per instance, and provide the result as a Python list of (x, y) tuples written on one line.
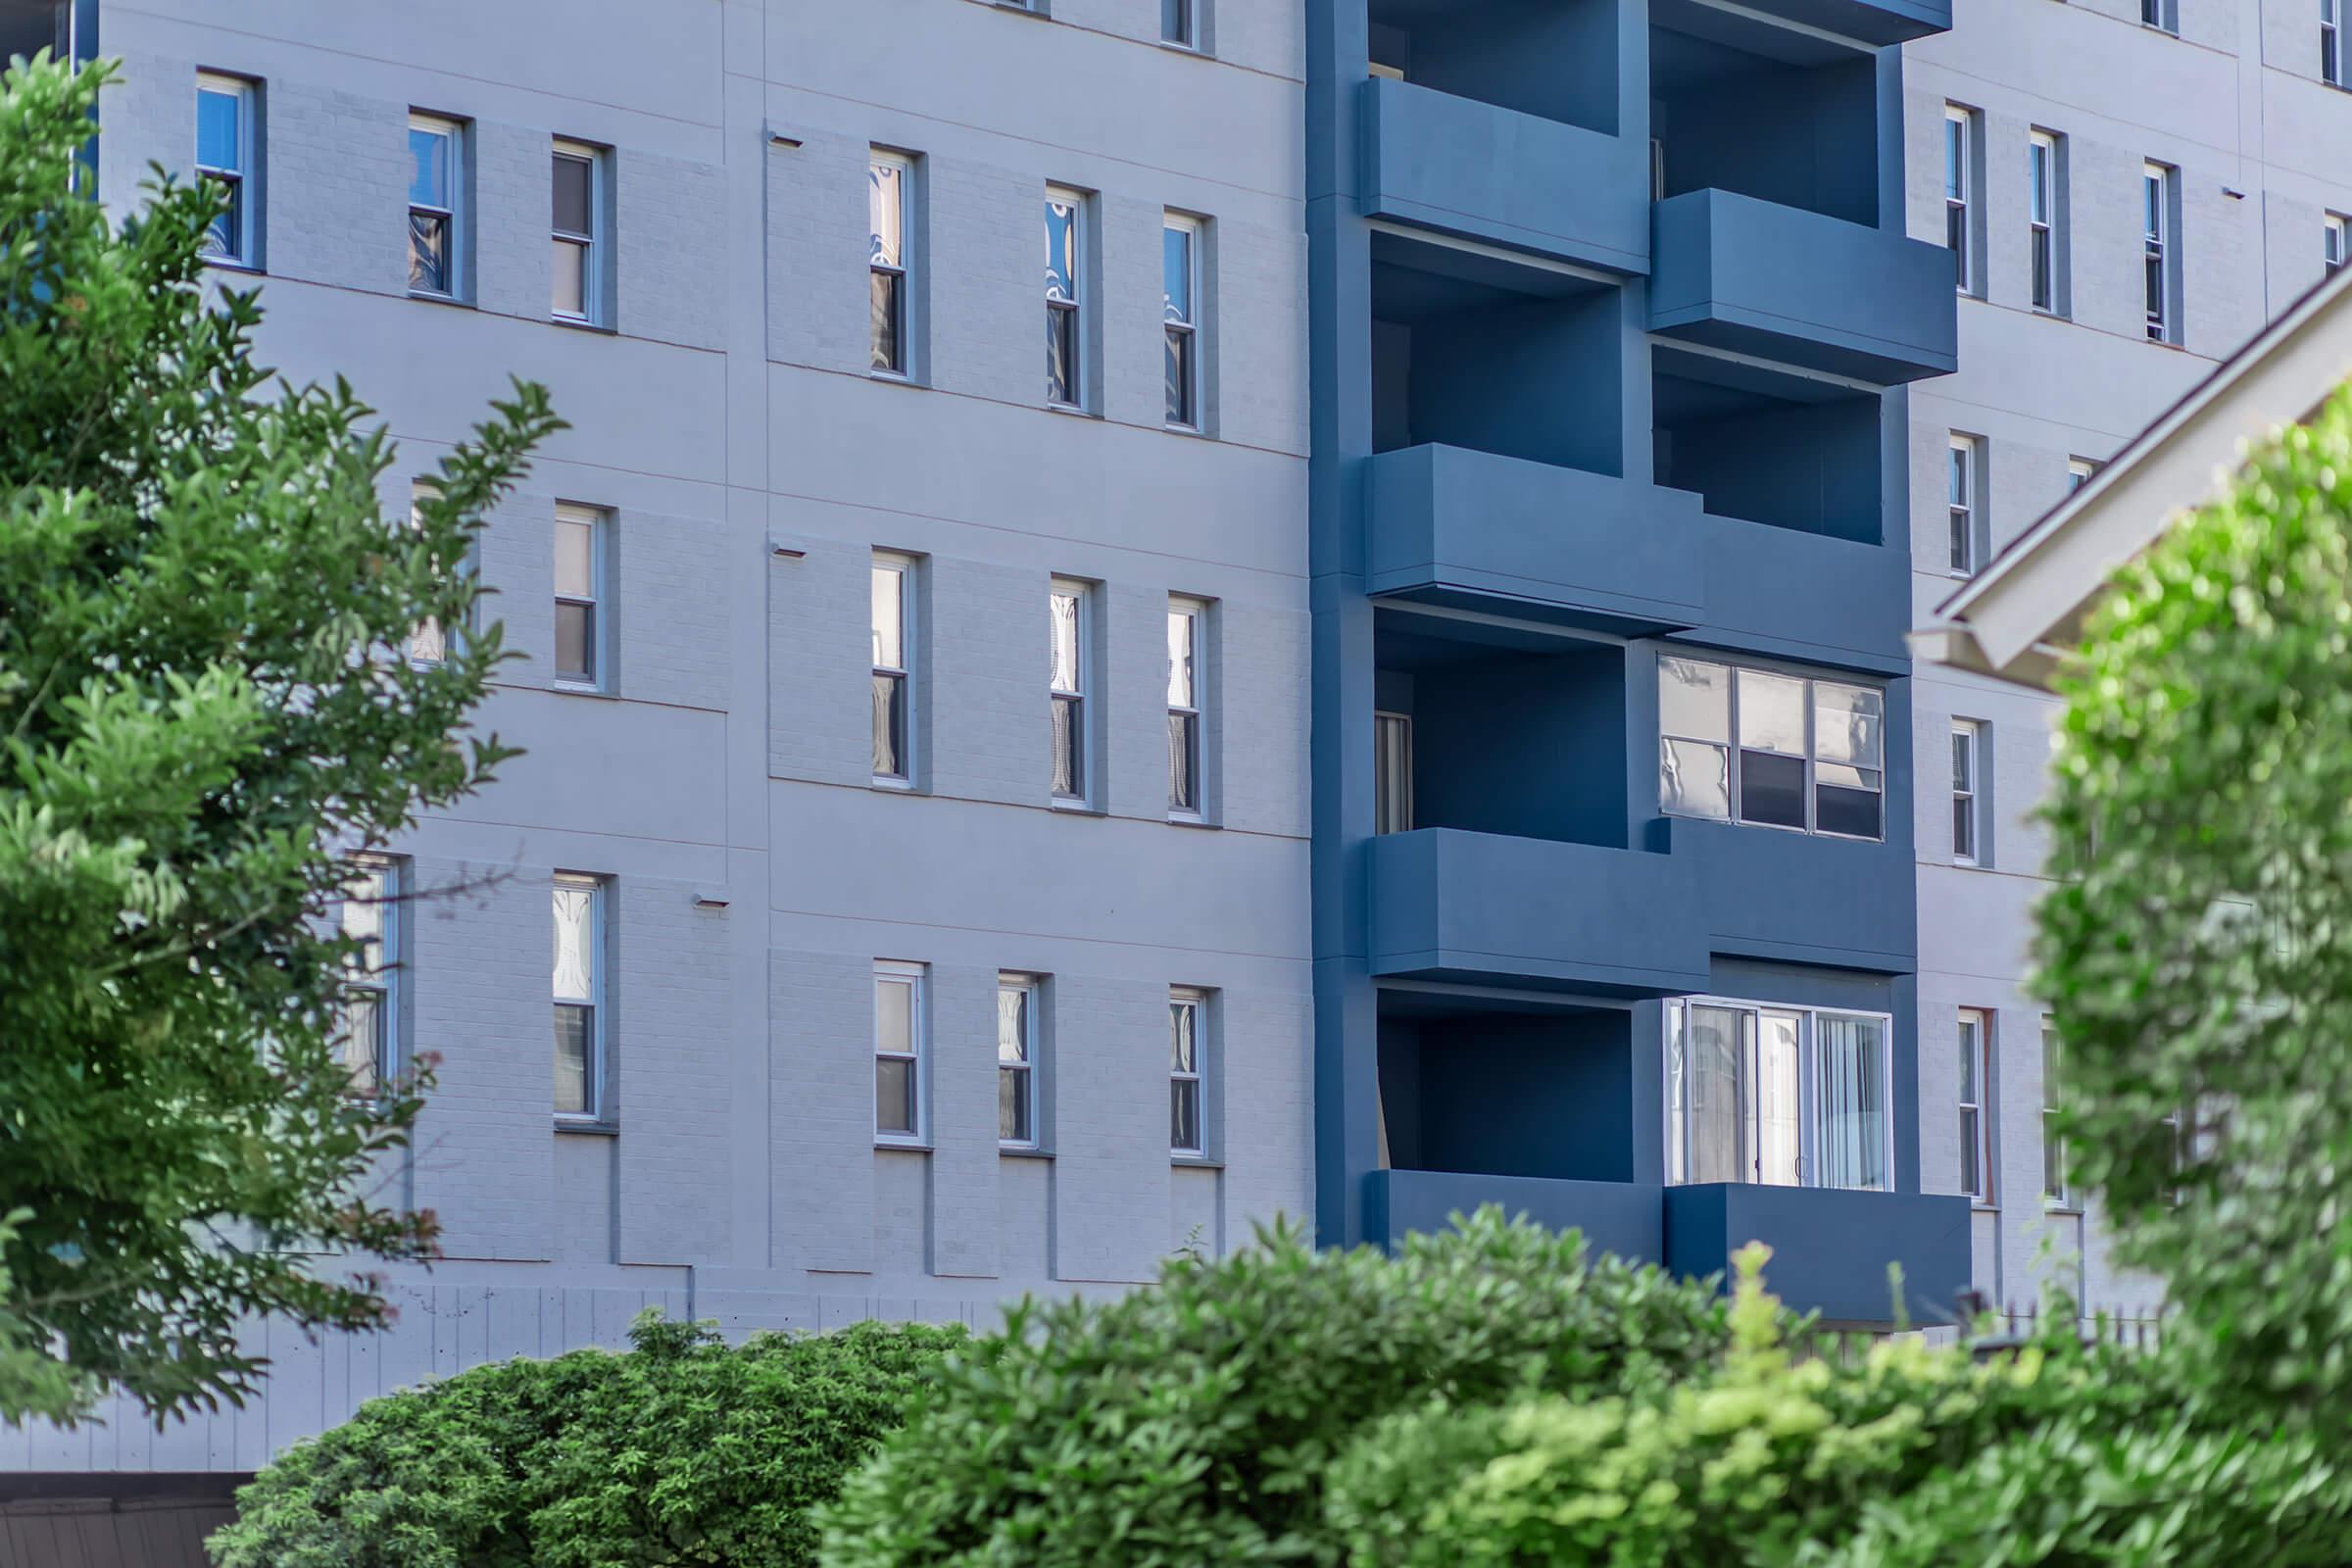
[(1065, 329), (1777, 1096), (579, 1065), (1810, 754)]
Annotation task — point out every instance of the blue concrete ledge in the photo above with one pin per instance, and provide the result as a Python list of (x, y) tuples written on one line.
[(1487, 909), (1786, 284), (1806, 596), (1462, 166), (1799, 898), (1618, 1218), (1830, 1248), (1877, 23), (1452, 526)]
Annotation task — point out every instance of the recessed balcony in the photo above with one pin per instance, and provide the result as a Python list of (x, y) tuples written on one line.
[(1623, 1218), (1831, 1248)]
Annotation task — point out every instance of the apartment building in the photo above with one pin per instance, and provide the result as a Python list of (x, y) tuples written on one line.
[(2135, 187), (909, 860)]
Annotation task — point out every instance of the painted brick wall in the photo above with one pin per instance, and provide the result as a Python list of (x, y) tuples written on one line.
[(820, 644), (821, 1110), (987, 279), (341, 161), (1110, 1195), (675, 1001), (818, 295), (962, 1174), (670, 217), (991, 727)]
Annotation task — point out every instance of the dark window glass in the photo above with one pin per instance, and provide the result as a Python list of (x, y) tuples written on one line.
[(575, 641), (1012, 1108), (1184, 1113), (574, 1031), (1772, 788), (1062, 354), (1854, 812), (1069, 763), (1183, 770), (890, 727), (894, 1096), (889, 318), (574, 203), (428, 253)]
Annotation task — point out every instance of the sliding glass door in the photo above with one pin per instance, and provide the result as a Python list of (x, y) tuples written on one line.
[(1785, 1097)]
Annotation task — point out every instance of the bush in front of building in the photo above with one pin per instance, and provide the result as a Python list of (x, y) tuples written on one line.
[(683, 1449), (1195, 1423)]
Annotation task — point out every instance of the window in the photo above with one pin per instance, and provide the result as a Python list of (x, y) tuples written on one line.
[(2041, 218), (2054, 1188), (1187, 1049), (1962, 494), (1976, 1104), (2338, 241), (579, 997), (1809, 753), (1392, 773), (1180, 311), (1180, 22), (889, 257), (370, 917), (1959, 185), (1783, 1096), (1016, 1061), (894, 664), (2162, 14), (2331, 47), (1184, 707), (2156, 202), (1067, 628), (436, 219), (2078, 473), (227, 147), (429, 643), (898, 1055), (579, 585), (1066, 325), (1967, 810), (576, 227)]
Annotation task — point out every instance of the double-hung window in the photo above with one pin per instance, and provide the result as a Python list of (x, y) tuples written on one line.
[(2337, 240), (1976, 1104), (2078, 473), (436, 206), (371, 919), (2162, 14), (1967, 810), (2056, 1192), (889, 260), (2041, 218), (1180, 22), (1188, 1136), (576, 227), (1778, 1095), (1065, 298), (1066, 627), (1959, 194), (894, 667), (2332, 43), (228, 158), (1961, 489), (1185, 619), (579, 976), (580, 551), (2156, 250), (899, 1060), (1016, 1061), (1392, 772), (1180, 313), (1809, 755)]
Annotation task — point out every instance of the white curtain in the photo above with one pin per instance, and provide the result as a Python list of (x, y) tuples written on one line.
[(1851, 1100)]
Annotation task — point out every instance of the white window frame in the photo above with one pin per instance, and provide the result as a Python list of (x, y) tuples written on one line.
[(1183, 332), (1076, 697), (1075, 306), (1963, 487), (597, 1060), (1968, 792), (901, 567), (1193, 614), (1959, 195), (903, 270), (2331, 44), (917, 978), (1180, 24), (1677, 1139), (2157, 258), (2162, 15), (2044, 291), (2079, 472), (245, 214), (1812, 760), (2056, 1192), (454, 248), (1023, 1073), (600, 663), (1399, 796), (1197, 1080), (591, 244), (2337, 243), (381, 881), (1975, 1057)]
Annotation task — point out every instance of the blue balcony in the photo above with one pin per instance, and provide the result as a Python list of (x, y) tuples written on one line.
[(1801, 898), (1536, 914), (1462, 166), (1794, 286), (1624, 1218), (1877, 23), (1805, 595), (1448, 526), (1829, 1248)]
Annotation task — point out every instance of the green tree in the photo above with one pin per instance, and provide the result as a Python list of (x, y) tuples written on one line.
[(205, 705)]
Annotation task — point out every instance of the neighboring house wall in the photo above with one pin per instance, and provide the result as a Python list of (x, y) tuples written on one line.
[(725, 783), (2236, 105)]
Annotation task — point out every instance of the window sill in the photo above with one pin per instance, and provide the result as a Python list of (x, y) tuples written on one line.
[(2069, 1209), (1076, 410), (579, 324), (1023, 1152), (1189, 819), (228, 264), (1192, 49), (896, 786), (1975, 1207), (573, 688), (440, 299), (1077, 808), (1194, 1162), (1197, 432), (897, 379), (587, 1127), (901, 1145)]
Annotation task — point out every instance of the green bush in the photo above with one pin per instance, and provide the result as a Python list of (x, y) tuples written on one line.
[(1194, 1423), (682, 1451)]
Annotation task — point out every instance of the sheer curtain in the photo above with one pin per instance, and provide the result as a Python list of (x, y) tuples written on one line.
[(1708, 1100), (1851, 1100)]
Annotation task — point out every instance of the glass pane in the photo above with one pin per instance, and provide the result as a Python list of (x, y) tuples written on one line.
[(1779, 1135), (2152, 204), (889, 618), (1176, 20), (1955, 156), (1695, 698), (1179, 658), (1392, 773), (1070, 764), (1062, 250), (1183, 1018), (1772, 788), (220, 234), (2037, 181), (1964, 760), (220, 142), (575, 1036), (575, 557), (428, 167), (574, 194), (1962, 554), (1012, 1024), (890, 727), (426, 645), (1012, 1108), (1179, 372), (1958, 483), (1176, 274), (894, 1016), (884, 308), (1848, 724), (1851, 1100), (1964, 827), (1061, 354), (1707, 1089), (363, 916), (364, 1040), (428, 253), (1854, 812), (1062, 612), (575, 641), (1184, 772), (1772, 712), (1972, 1174), (1184, 1115), (1694, 779), (1969, 1049), (570, 263), (2042, 268), (576, 935), (894, 1096), (886, 213)]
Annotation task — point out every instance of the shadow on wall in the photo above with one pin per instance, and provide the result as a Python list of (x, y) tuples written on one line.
[(113, 1520)]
